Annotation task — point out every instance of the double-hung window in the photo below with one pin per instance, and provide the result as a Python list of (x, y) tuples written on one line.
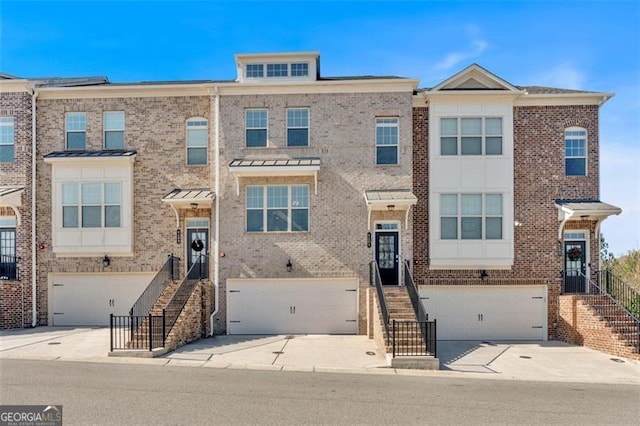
[(114, 130), (471, 216), (197, 136), (256, 128), (298, 127), (278, 208), (91, 205), (575, 151), (471, 136), (387, 140), (76, 130), (7, 139)]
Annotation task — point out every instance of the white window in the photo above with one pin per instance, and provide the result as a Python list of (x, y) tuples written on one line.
[(256, 128), (299, 70), (278, 208), (575, 151), (76, 130), (298, 127), (114, 130), (91, 205), (471, 216), (7, 139), (197, 137), (255, 70), (277, 70), (471, 136), (387, 140)]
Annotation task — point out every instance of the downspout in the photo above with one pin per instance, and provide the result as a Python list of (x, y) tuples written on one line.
[(34, 269), (216, 221)]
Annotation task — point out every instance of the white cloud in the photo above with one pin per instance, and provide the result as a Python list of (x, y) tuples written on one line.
[(478, 46), (563, 75)]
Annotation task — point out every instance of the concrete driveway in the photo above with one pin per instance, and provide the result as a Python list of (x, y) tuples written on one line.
[(535, 361)]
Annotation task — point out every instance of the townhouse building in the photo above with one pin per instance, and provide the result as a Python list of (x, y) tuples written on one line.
[(285, 194)]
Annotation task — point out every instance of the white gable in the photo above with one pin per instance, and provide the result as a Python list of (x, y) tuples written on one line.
[(474, 77)]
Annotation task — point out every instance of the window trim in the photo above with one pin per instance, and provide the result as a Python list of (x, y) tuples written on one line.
[(307, 127), (79, 204), (586, 150), (483, 216), (12, 143), (67, 130), (186, 144), (397, 144), (265, 209), (483, 136), (247, 128), (105, 130)]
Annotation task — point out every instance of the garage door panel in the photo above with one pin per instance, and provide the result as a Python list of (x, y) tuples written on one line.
[(89, 299), (292, 306), (487, 312)]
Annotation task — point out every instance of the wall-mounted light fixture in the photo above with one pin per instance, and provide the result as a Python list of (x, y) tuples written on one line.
[(483, 275), (178, 236), (106, 261), (289, 265), (368, 239), (194, 205), (390, 207)]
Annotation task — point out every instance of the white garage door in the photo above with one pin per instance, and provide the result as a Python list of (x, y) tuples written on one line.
[(292, 306), (487, 312), (88, 299)]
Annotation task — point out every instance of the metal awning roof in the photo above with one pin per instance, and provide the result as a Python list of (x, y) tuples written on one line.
[(188, 198), (389, 200), (243, 167), (584, 210), (104, 155), (11, 196)]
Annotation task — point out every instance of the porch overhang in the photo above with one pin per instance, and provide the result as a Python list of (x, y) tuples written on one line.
[(389, 200), (11, 196), (573, 210), (188, 199), (240, 167)]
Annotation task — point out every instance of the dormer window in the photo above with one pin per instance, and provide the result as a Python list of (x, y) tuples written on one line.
[(299, 70), (278, 67), (255, 70), (277, 70)]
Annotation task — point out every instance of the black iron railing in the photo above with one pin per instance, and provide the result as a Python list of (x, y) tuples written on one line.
[(626, 295), (180, 297), (9, 268), (375, 280), (421, 314), (158, 284), (129, 332), (414, 338), (617, 315)]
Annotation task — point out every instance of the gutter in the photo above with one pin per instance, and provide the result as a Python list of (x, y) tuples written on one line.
[(34, 270), (216, 200)]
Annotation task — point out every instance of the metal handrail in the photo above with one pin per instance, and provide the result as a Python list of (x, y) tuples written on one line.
[(166, 274), (9, 269), (376, 281), (621, 308), (177, 303), (628, 297), (414, 295)]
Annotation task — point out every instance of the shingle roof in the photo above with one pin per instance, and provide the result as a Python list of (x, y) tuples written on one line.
[(90, 154), (69, 81), (274, 162), (541, 90)]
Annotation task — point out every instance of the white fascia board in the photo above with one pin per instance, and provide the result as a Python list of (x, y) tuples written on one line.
[(275, 57), (470, 71), (84, 161), (274, 171), (15, 86), (128, 91), (563, 99), (318, 87), (398, 204), (473, 95), (186, 202)]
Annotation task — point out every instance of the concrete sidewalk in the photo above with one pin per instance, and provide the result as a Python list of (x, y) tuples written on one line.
[(532, 361)]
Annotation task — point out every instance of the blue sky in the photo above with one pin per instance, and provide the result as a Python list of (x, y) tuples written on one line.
[(572, 44)]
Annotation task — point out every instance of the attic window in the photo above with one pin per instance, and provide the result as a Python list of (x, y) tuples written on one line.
[(277, 70)]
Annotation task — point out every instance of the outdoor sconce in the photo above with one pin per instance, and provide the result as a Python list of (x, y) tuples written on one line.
[(483, 275), (368, 239), (390, 207), (289, 265), (178, 236), (194, 205), (106, 261)]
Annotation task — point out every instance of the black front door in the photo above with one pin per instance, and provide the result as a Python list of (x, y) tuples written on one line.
[(198, 249), (387, 257), (575, 267)]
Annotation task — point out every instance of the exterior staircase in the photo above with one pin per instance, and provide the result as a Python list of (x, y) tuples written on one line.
[(400, 309), (140, 338), (621, 323)]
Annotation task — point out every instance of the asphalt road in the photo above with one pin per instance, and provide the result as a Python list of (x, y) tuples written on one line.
[(130, 394)]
